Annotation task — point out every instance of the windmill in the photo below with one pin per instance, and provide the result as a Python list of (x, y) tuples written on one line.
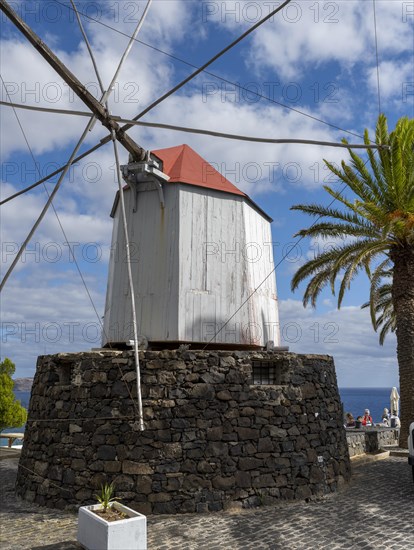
[(98, 110), (202, 250)]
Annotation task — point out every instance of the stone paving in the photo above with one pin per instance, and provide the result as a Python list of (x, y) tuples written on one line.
[(376, 511)]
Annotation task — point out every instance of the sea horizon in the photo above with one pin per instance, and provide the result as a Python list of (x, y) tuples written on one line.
[(356, 400), (367, 388)]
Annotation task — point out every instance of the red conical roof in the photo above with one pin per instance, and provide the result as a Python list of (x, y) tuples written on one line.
[(184, 165)]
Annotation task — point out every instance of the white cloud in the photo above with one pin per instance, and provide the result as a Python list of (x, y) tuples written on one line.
[(31, 81), (283, 51), (269, 166), (324, 32), (393, 76), (348, 336), (87, 231), (292, 165), (49, 312)]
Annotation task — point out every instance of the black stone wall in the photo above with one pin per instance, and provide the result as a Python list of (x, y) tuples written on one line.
[(213, 439), (370, 440)]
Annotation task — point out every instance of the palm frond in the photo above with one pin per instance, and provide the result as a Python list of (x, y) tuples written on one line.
[(397, 170), (315, 287), (375, 167), (380, 303), (329, 212), (375, 192), (313, 266), (336, 230), (379, 220), (358, 186), (326, 266), (387, 327), (338, 196), (366, 255), (382, 271)]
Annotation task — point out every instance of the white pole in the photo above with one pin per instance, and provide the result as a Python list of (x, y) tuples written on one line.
[(130, 281), (104, 100)]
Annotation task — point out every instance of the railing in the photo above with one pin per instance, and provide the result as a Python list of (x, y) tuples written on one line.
[(11, 437)]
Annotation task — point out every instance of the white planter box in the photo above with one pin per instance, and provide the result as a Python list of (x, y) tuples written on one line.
[(95, 533)]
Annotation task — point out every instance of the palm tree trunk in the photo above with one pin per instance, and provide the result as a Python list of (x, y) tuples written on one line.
[(403, 300)]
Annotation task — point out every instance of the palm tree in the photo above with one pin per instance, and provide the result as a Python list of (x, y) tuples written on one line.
[(381, 307), (378, 225)]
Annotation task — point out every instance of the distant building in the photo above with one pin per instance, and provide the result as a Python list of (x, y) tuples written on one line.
[(200, 248)]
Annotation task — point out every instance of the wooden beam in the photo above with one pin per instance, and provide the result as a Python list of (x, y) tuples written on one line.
[(137, 152)]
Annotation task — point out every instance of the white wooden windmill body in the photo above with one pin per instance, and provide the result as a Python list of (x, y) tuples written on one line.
[(200, 247)]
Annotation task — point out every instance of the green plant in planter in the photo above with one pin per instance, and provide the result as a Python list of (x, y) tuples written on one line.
[(105, 498), (110, 525)]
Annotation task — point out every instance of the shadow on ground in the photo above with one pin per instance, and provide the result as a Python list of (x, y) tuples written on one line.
[(68, 545)]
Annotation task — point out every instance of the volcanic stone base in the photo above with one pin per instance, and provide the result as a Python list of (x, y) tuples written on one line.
[(213, 438)]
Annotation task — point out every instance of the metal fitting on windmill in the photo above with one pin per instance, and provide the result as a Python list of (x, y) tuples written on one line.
[(147, 174)]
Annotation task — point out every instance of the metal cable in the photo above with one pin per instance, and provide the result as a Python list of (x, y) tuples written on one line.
[(176, 128), (209, 62), (239, 137), (128, 48), (71, 252), (120, 189), (44, 109), (105, 102), (376, 54), (46, 207), (195, 131), (125, 224), (124, 55), (88, 46), (218, 77), (273, 270), (51, 175)]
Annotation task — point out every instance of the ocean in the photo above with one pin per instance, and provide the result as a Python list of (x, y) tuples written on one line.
[(355, 400)]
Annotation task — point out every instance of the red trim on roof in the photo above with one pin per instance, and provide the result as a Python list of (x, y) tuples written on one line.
[(184, 165)]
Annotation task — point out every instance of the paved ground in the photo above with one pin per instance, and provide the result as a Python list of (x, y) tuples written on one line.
[(375, 512)]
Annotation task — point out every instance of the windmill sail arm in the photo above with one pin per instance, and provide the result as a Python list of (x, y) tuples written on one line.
[(137, 152)]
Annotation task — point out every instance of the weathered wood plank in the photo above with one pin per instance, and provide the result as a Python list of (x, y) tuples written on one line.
[(196, 266)]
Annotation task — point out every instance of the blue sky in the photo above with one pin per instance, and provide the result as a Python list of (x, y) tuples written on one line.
[(309, 73)]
